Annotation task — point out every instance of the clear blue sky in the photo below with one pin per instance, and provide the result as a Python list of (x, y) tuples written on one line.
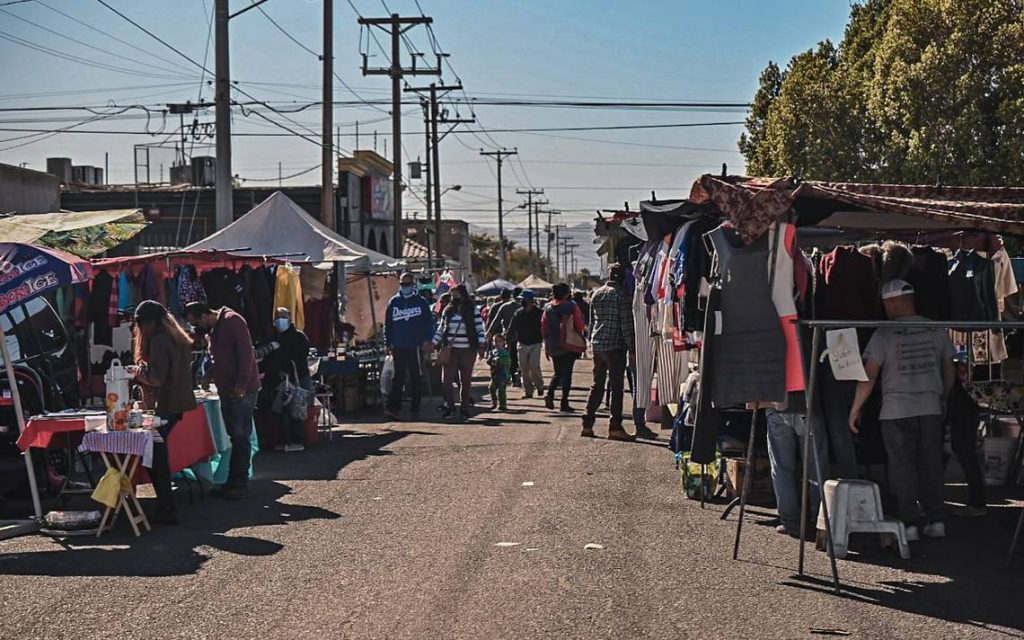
[(684, 50)]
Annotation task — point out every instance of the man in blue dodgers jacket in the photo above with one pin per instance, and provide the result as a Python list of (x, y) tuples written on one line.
[(408, 325)]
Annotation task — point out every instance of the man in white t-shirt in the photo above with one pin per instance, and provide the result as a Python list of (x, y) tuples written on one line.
[(915, 366)]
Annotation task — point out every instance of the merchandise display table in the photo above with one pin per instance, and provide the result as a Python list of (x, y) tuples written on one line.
[(122, 453)]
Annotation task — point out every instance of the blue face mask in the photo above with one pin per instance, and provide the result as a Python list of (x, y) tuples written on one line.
[(408, 290), (282, 324)]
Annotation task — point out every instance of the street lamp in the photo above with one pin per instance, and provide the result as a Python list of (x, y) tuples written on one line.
[(454, 187)]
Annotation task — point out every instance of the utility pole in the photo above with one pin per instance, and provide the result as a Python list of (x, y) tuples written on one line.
[(396, 26), (547, 232), (529, 193), (434, 147), (224, 184), (536, 228), (327, 151), (500, 156), (430, 195)]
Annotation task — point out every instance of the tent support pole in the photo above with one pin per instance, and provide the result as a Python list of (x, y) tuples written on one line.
[(20, 414), (373, 311), (809, 450)]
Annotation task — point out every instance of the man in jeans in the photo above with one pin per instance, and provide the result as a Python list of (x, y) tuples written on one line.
[(917, 373), (524, 330), (238, 383), (786, 434), (611, 338)]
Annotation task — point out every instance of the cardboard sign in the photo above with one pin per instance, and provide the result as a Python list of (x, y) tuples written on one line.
[(844, 355)]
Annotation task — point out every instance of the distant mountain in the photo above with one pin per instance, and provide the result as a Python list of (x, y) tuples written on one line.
[(581, 234)]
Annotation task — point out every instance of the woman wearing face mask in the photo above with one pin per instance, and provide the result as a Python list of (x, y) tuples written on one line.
[(462, 328), (163, 356), (286, 356)]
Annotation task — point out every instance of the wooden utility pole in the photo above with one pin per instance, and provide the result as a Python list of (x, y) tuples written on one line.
[(396, 26), (225, 214), (529, 193), (327, 151), (547, 232), (426, 169), (500, 156), (434, 138)]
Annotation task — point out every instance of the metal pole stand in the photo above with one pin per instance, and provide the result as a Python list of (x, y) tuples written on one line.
[(808, 449), (747, 473)]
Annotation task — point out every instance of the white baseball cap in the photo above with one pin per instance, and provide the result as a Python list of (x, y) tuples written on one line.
[(896, 288)]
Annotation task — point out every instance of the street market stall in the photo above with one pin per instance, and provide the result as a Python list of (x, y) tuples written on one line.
[(957, 264)]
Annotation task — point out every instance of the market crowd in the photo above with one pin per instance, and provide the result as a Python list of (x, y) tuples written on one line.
[(511, 333)]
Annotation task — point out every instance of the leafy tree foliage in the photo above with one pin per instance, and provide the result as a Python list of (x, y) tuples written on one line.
[(918, 91)]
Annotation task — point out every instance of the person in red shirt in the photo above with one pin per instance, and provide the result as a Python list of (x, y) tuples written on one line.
[(238, 383), (555, 349)]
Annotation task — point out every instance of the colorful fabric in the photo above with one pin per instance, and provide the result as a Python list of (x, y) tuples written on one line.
[(1001, 396)]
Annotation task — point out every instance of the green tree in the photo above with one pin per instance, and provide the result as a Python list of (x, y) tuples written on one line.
[(520, 263), (918, 91)]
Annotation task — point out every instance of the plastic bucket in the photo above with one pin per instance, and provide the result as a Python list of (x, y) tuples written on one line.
[(997, 458)]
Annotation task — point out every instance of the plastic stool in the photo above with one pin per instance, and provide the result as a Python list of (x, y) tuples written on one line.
[(855, 506)]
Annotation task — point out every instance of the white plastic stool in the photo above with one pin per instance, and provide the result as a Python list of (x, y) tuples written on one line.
[(855, 506)]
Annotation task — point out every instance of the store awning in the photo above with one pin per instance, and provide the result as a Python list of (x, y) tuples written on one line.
[(754, 203), (82, 233)]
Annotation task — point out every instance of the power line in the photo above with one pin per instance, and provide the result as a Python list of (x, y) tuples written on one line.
[(80, 42), (79, 21), (79, 59), (154, 36), (288, 177)]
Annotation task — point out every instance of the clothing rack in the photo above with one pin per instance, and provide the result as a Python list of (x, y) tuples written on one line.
[(819, 326)]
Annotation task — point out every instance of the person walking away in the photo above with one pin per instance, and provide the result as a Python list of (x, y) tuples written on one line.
[(461, 329), (561, 310), (611, 338), (916, 370), (787, 431), (408, 328), (238, 383), (524, 331), (163, 357), (500, 362), (499, 322), (286, 357)]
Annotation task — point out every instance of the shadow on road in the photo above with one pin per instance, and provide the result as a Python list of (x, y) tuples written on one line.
[(183, 549), (974, 588)]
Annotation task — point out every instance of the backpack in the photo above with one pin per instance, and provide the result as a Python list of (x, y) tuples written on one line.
[(569, 338)]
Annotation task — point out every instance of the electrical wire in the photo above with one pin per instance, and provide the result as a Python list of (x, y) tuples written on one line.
[(288, 177), (81, 60), (81, 42)]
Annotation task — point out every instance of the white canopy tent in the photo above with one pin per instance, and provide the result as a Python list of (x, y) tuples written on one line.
[(279, 227)]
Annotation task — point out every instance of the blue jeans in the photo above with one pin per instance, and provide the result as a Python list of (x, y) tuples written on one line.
[(786, 433), (237, 416)]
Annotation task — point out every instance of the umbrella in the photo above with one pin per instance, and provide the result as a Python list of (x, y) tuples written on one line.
[(28, 271), (494, 287)]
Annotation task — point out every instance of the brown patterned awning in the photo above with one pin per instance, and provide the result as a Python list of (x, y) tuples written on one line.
[(752, 204)]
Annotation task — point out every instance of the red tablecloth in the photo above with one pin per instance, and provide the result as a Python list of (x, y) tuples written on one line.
[(190, 440), (39, 432)]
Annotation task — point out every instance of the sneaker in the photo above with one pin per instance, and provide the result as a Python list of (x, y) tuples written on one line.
[(935, 530), (549, 402), (587, 433), (503, 407), (527, 396), (565, 408), (620, 434), (967, 511), (912, 534), (294, 447), (782, 529), (494, 406), (446, 412)]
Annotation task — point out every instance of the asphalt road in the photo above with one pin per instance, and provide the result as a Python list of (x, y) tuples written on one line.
[(479, 530)]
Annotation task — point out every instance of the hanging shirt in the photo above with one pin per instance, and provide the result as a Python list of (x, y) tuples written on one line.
[(288, 294)]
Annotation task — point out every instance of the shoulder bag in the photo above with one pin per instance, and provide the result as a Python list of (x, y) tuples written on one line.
[(569, 338), (444, 354)]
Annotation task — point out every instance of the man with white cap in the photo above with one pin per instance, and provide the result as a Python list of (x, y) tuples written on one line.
[(915, 366)]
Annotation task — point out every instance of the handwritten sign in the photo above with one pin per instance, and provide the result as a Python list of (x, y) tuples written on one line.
[(844, 355)]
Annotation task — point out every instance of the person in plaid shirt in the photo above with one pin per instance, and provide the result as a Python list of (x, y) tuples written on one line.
[(612, 340)]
